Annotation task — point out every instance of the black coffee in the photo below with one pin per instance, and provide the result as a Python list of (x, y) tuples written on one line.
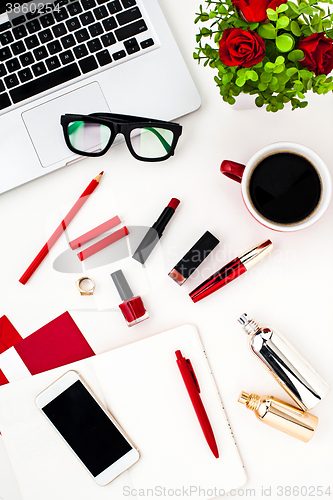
[(285, 188)]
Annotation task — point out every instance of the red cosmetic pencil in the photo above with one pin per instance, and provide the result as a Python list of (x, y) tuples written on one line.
[(193, 390), (232, 270), (60, 229)]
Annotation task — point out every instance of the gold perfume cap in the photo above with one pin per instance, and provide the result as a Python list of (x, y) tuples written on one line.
[(251, 401), (243, 397)]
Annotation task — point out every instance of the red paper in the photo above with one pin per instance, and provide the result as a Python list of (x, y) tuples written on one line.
[(56, 344), (3, 380), (9, 336)]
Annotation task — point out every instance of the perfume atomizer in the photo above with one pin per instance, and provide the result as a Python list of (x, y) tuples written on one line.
[(293, 373)]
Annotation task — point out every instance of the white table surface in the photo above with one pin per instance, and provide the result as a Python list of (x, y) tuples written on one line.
[(291, 289)]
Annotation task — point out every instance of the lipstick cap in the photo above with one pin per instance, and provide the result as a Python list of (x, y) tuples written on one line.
[(122, 286), (194, 257)]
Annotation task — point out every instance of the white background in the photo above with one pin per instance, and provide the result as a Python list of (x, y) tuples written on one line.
[(291, 289)]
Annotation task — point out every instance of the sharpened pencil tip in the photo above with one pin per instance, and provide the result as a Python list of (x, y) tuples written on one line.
[(98, 178)]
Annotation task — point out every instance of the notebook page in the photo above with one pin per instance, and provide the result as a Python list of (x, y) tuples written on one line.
[(145, 392), (44, 466)]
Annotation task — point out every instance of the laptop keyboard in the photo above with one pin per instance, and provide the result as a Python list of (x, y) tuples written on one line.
[(38, 52)]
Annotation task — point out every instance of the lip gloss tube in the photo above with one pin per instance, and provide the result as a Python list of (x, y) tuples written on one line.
[(132, 308), (155, 232), (232, 270)]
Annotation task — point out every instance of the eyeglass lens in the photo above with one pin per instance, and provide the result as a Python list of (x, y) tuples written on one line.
[(151, 142), (88, 137)]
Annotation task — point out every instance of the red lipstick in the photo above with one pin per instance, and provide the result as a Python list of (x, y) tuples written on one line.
[(232, 270), (155, 232)]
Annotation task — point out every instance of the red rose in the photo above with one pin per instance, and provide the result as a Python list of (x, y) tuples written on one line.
[(318, 53), (241, 48), (254, 11)]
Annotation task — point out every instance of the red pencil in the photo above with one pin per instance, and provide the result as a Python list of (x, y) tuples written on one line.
[(60, 229)]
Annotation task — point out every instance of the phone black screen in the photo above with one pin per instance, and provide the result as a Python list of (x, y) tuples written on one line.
[(86, 428)]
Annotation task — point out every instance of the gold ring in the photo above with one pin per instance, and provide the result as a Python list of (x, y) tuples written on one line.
[(89, 286)]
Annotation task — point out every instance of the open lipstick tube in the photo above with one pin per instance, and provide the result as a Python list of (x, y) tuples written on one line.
[(193, 258)]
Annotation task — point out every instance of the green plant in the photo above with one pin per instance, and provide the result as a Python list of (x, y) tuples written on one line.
[(285, 72)]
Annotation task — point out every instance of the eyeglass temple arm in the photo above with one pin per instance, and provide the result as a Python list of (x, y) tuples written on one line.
[(73, 126), (166, 145)]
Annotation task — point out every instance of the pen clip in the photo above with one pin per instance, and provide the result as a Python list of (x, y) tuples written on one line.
[(193, 374)]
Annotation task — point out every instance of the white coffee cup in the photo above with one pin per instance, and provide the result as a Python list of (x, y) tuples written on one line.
[(242, 174)]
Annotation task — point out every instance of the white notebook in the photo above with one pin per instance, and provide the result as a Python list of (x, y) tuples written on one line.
[(142, 387)]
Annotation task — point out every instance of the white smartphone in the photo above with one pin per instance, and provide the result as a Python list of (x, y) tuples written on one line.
[(87, 427)]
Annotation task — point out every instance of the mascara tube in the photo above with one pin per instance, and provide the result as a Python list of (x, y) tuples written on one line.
[(155, 232)]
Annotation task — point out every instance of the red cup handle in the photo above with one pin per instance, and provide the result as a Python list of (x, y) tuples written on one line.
[(233, 170)]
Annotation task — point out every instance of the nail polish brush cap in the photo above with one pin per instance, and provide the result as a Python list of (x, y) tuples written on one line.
[(122, 286)]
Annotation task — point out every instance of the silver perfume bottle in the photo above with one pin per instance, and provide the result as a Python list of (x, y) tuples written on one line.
[(293, 372)]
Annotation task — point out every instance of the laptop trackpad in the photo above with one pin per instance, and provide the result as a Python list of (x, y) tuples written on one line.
[(43, 122)]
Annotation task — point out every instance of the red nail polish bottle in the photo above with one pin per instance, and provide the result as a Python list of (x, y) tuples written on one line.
[(132, 308)]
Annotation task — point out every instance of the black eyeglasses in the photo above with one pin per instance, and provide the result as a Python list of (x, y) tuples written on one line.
[(147, 139)]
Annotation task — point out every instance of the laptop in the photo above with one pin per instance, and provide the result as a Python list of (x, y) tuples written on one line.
[(81, 56)]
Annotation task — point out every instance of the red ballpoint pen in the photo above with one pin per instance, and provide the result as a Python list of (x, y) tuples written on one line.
[(193, 389)]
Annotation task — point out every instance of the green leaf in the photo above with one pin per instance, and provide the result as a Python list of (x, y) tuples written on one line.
[(283, 78), (291, 71), (222, 9), (239, 23), (282, 8), (266, 77), (279, 68), (282, 22), (226, 78), (294, 7), (205, 32), (272, 15), (326, 24), (269, 67), (285, 42), (305, 9), (240, 81), (252, 75), (262, 86), (296, 55), (279, 60), (274, 88), (259, 101), (241, 72), (267, 31), (295, 29), (304, 73)]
